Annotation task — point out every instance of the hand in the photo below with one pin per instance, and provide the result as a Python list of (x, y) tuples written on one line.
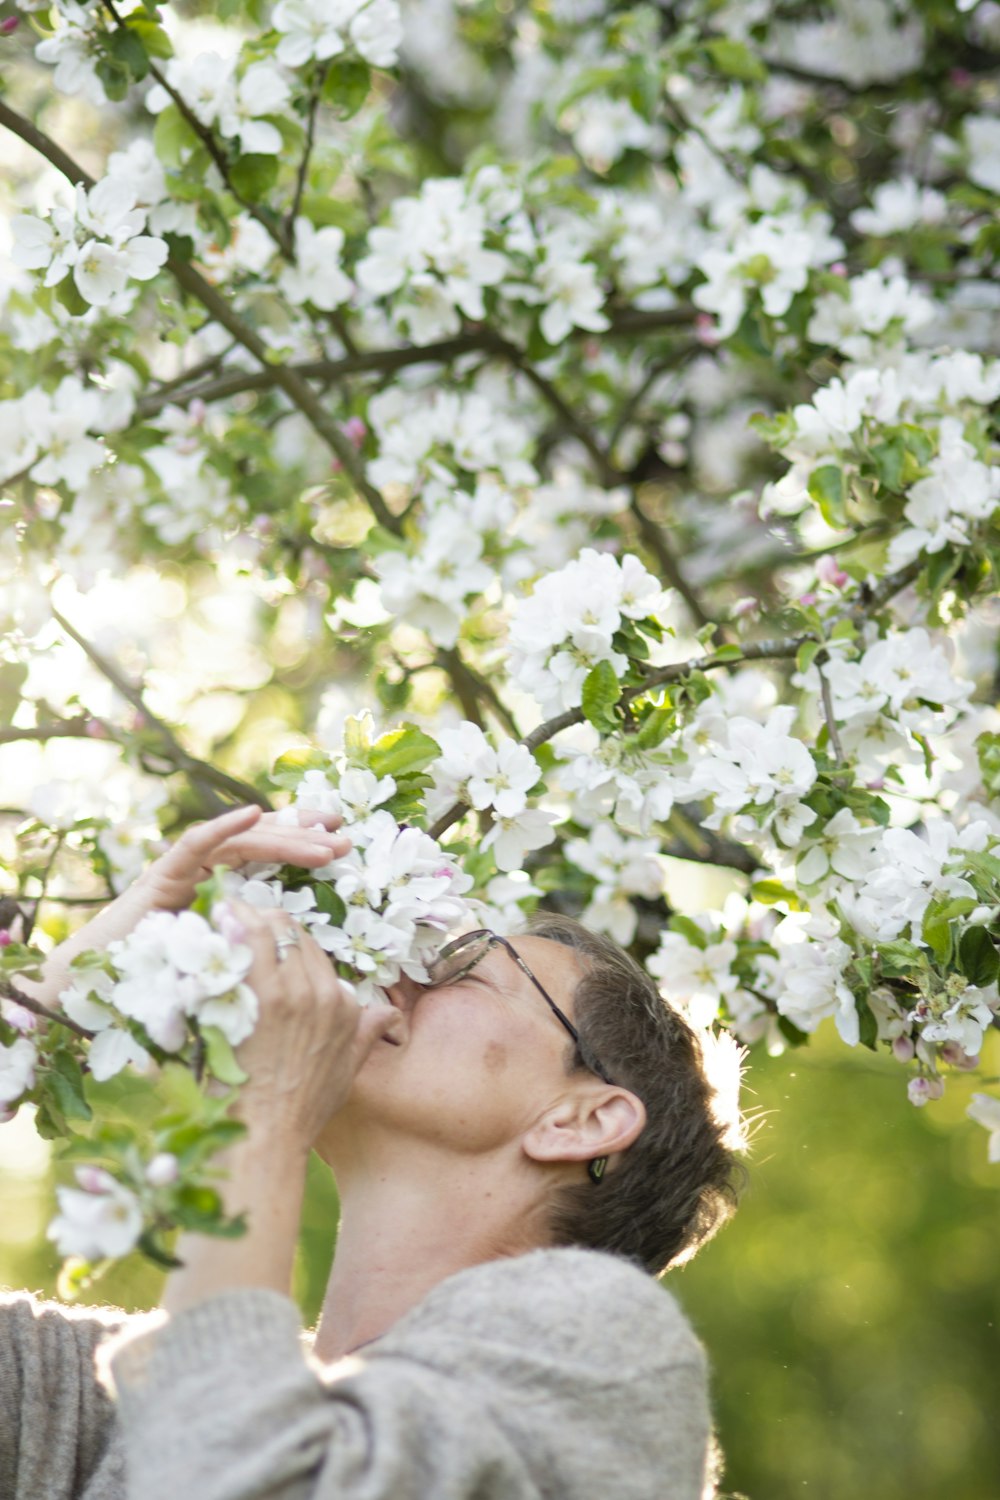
[(243, 836), (236, 838), (311, 1037)]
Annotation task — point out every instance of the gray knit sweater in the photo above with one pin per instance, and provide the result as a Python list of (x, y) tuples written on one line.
[(558, 1375)]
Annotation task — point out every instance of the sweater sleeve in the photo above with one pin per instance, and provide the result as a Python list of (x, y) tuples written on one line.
[(56, 1419), (225, 1404)]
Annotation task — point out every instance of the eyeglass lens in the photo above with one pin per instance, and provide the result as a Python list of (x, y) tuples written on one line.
[(458, 958)]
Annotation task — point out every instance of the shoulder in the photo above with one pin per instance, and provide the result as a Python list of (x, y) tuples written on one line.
[(563, 1304)]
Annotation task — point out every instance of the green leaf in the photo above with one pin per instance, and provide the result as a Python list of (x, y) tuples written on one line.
[(689, 930), (977, 957), (728, 653), (793, 1036), (806, 654), (197, 1207), (346, 86), (220, 1057), (290, 767), (402, 752), (601, 691), (114, 76), (153, 1250), (153, 38), (328, 901), (253, 177), (173, 137), (867, 1024), (71, 299), (736, 60), (937, 933), (900, 958), (357, 739), (828, 488), (655, 727), (65, 1079), (942, 567), (767, 892), (126, 47), (988, 753)]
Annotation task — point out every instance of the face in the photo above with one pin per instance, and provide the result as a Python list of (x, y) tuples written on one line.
[(481, 1058)]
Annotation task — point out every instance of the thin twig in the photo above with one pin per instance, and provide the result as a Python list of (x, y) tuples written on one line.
[(826, 698), (307, 150), (205, 777), (207, 138), (298, 391), (773, 649), (452, 663), (10, 991)]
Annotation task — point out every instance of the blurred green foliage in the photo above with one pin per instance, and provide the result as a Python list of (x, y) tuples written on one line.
[(850, 1312)]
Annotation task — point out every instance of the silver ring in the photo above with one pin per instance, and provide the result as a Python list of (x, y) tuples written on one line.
[(289, 939)]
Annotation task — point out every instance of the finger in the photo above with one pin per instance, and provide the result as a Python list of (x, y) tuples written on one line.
[(261, 926), (197, 844), (311, 817), (308, 847)]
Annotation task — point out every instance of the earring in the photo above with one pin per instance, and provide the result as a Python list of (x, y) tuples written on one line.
[(595, 1168)]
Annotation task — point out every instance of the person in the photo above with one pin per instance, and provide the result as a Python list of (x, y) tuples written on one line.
[(519, 1146)]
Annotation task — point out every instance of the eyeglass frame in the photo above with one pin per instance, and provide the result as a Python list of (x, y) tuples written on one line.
[(595, 1167)]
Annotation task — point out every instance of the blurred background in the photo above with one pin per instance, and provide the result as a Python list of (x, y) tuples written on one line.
[(851, 1311)]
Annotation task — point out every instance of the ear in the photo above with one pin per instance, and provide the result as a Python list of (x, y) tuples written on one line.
[(583, 1126)]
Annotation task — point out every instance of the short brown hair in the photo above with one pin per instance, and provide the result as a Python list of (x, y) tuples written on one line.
[(679, 1180)]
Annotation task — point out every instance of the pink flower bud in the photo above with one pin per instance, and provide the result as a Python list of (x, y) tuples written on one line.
[(227, 923), (197, 411), (355, 429), (162, 1170), (5, 937), (706, 330), (903, 1050), (746, 608), (23, 1020), (9, 25), (94, 1179), (808, 599), (957, 1057), (960, 78), (878, 785), (920, 1090), (95, 730), (828, 570), (839, 268)]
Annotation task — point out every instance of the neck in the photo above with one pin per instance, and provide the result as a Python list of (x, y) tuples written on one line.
[(403, 1232)]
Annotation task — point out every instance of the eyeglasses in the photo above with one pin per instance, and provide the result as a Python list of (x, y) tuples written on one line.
[(458, 958)]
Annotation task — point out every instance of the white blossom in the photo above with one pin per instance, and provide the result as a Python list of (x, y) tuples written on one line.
[(697, 980), (17, 1068), (104, 1222), (985, 1110), (316, 276)]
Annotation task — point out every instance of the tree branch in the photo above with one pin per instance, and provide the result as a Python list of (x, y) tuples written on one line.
[(307, 150), (625, 324), (826, 698), (276, 231), (298, 391), (773, 649), (10, 991), (204, 777), (469, 684)]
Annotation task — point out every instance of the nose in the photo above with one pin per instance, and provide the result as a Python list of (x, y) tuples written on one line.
[(405, 993)]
